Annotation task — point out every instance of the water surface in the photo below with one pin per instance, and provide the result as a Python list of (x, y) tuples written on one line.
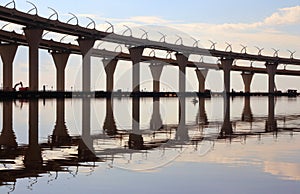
[(146, 145)]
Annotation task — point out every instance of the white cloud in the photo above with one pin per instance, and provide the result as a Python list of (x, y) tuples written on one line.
[(285, 16)]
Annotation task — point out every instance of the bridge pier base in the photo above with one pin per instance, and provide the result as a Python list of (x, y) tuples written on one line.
[(33, 37), (8, 52), (136, 54), (201, 75), (247, 79), (86, 46), (182, 61), (110, 67), (156, 70), (226, 64), (60, 61), (271, 69)]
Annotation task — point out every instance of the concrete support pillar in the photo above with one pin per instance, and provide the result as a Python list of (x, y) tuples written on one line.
[(156, 121), (271, 69), (110, 67), (182, 61), (60, 60), (247, 78), (201, 75), (156, 70), (7, 137), (8, 52), (136, 54), (33, 37), (85, 46), (226, 64)]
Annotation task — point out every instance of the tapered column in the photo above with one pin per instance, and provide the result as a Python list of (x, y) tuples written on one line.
[(8, 52), (156, 70), (201, 75), (136, 54), (247, 78), (226, 64), (271, 69), (60, 60), (86, 46), (33, 37), (60, 134), (7, 137), (156, 121), (182, 61), (110, 67)]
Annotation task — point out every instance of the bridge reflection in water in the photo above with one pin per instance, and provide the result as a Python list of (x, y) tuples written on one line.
[(87, 147)]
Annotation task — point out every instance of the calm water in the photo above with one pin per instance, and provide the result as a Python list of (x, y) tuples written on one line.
[(166, 145)]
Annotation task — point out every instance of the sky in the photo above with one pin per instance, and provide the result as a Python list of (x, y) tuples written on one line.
[(266, 24)]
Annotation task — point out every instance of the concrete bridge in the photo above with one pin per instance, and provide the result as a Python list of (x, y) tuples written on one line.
[(34, 26)]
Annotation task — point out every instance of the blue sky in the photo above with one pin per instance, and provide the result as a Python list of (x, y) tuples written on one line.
[(268, 24)]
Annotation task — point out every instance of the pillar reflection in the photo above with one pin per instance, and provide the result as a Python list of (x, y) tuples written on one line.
[(226, 129), (7, 137), (85, 147), (109, 125), (60, 135), (182, 131), (156, 121), (271, 123), (136, 140), (202, 117), (247, 112), (33, 156)]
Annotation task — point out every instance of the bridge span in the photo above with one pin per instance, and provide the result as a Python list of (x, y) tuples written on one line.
[(34, 26)]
